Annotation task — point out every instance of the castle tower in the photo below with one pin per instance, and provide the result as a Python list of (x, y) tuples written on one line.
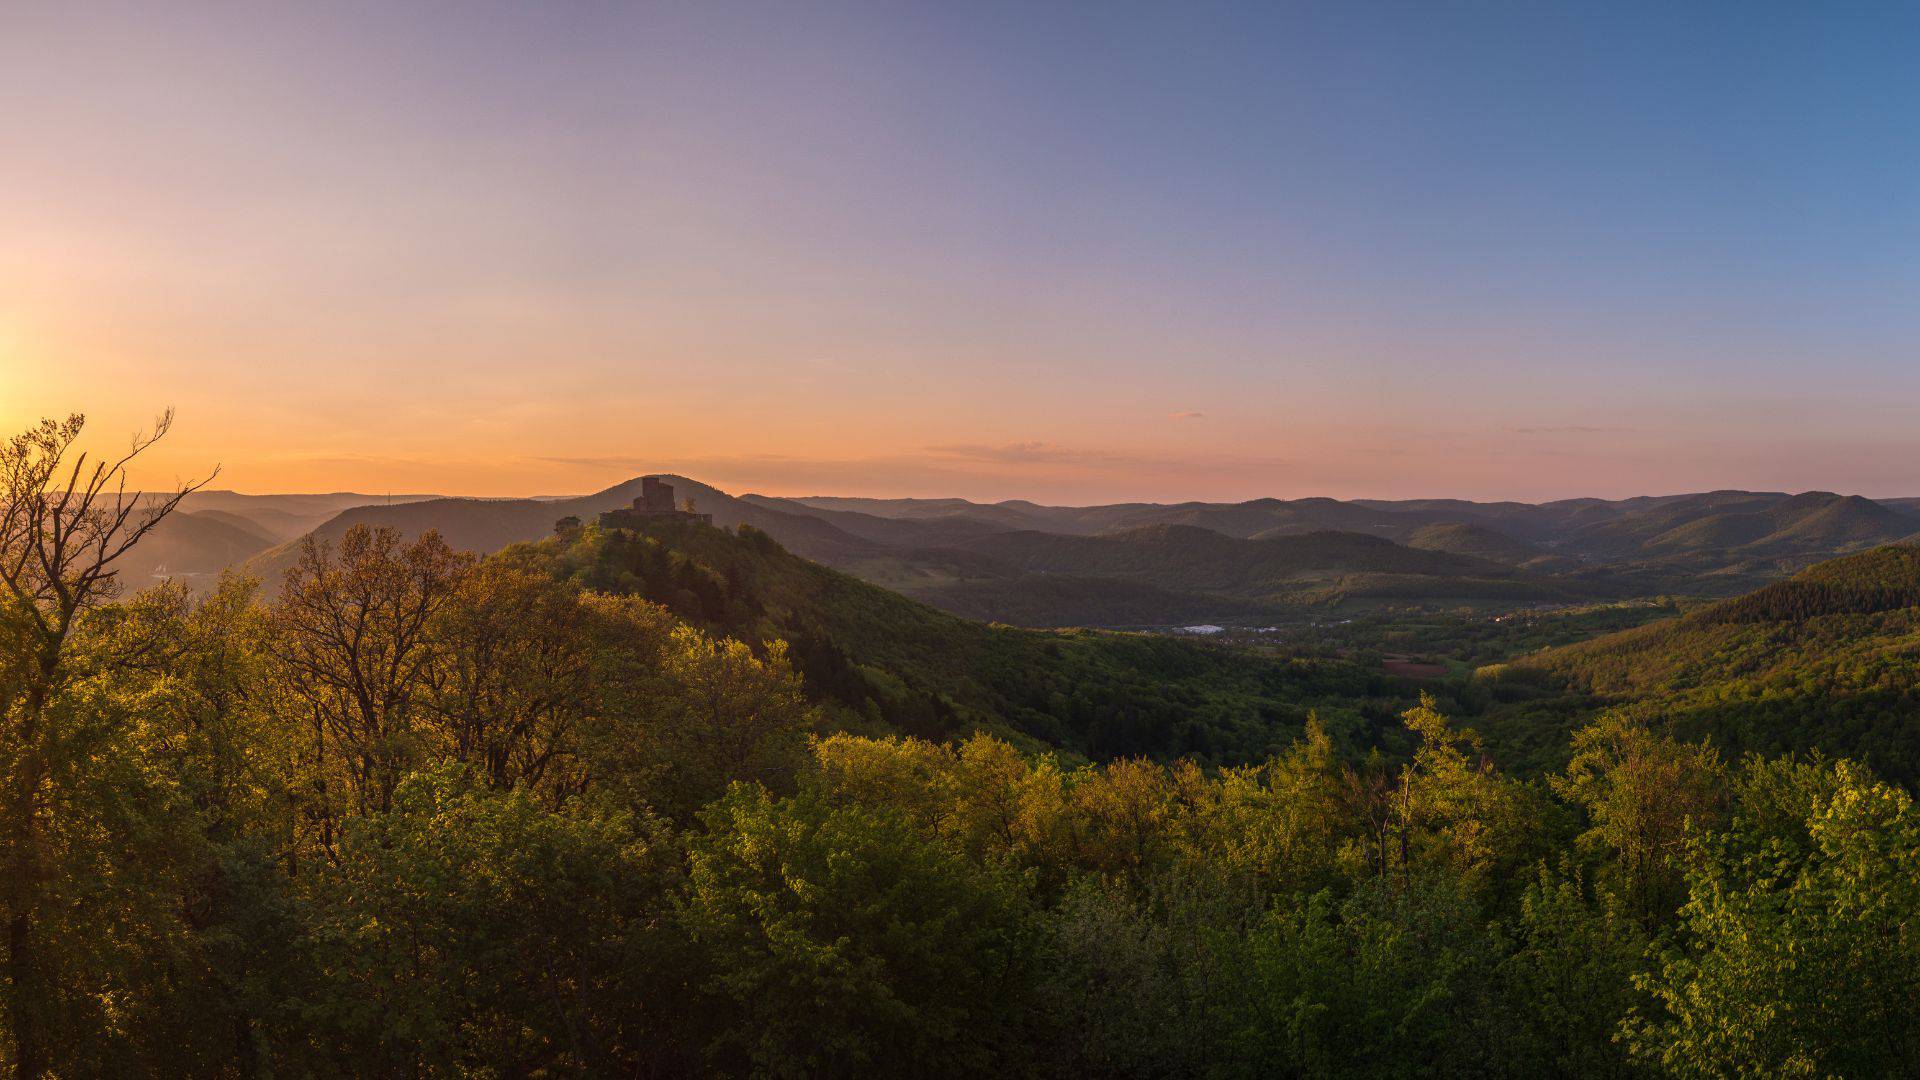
[(656, 496), (653, 504)]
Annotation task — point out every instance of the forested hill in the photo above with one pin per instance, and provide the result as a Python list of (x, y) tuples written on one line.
[(427, 815), (1140, 564), (891, 663), (1827, 660), (1171, 574), (1215, 560), (487, 525), (1477, 541)]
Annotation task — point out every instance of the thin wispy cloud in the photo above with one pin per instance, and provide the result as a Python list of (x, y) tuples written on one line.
[(612, 462), (1015, 453), (1185, 414)]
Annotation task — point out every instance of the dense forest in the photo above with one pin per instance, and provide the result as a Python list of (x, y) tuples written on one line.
[(678, 803), (879, 662), (1825, 660)]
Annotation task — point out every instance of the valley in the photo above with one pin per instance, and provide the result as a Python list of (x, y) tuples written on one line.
[(931, 541), (1069, 627), (1135, 778), (1150, 566)]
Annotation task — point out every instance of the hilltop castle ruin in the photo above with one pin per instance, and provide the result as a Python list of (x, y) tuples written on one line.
[(654, 503)]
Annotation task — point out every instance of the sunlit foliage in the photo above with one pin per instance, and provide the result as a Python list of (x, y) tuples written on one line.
[(583, 810)]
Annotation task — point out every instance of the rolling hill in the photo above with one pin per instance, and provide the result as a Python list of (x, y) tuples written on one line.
[(1827, 660), (885, 661), (1727, 526), (1476, 541), (1717, 543), (1306, 567), (967, 562), (192, 547), (1813, 522), (1148, 564), (931, 530), (284, 517), (487, 525)]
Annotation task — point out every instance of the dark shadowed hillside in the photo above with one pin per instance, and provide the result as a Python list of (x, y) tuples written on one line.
[(929, 530), (1148, 564), (1309, 567), (903, 665), (267, 532), (193, 547), (1054, 600), (285, 517), (1476, 541)]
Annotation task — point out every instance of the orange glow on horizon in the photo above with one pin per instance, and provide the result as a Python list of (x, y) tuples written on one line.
[(546, 251)]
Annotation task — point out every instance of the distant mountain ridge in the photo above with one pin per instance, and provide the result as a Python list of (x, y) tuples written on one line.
[(1160, 563), (1723, 541), (1595, 524), (1189, 556), (216, 529)]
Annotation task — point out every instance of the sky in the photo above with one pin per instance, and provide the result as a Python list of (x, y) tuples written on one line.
[(1066, 252)]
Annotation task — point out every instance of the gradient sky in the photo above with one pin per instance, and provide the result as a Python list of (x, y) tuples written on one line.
[(1069, 252)]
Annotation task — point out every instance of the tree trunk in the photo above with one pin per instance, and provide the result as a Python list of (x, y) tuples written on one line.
[(29, 1042)]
